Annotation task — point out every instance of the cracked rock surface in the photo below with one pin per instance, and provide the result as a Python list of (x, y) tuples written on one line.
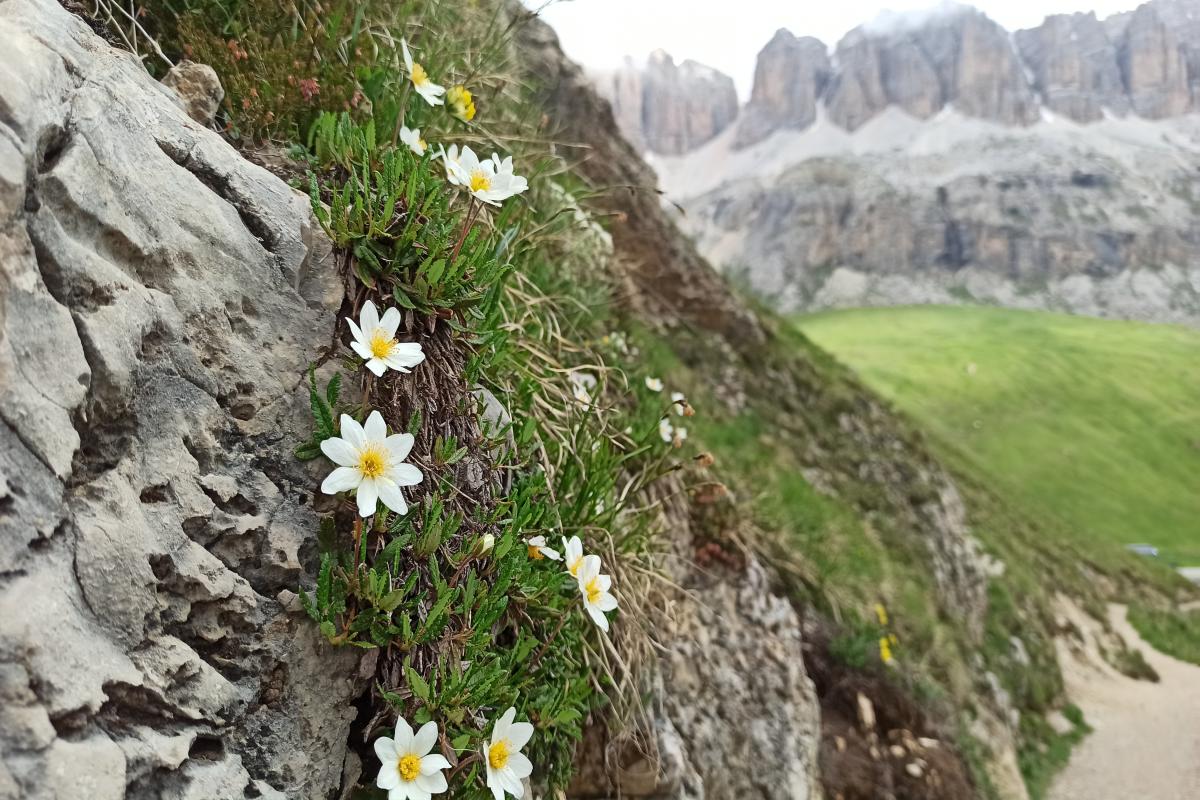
[(160, 300)]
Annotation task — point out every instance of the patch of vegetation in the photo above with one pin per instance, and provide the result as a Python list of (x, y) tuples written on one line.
[(1176, 633), (1084, 421), (1040, 765)]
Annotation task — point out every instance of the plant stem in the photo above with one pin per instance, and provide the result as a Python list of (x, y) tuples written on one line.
[(468, 221)]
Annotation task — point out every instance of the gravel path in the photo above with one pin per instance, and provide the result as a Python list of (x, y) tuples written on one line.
[(1146, 742)]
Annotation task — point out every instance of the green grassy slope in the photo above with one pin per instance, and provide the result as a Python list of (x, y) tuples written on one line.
[(1093, 422)]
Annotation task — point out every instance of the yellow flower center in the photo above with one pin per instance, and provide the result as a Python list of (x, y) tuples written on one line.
[(535, 553), (574, 566), (593, 590), (371, 462), (409, 767), (498, 754), (480, 181), (419, 76), (381, 344)]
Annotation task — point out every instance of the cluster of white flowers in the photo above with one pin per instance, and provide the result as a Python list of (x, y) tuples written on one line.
[(409, 770), (492, 180), (594, 587), (370, 463), (674, 435)]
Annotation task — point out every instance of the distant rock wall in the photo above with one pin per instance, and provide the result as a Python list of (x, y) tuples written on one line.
[(1145, 62), (669, 108), (159, 303)]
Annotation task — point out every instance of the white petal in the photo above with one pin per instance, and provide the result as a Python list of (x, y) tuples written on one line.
[(404, 737), (521, 766), (589, 569), (368, 319), (405, 475), (376, 428), (415, 792), (408, 62), (363, 351), (493, 781), (367, 496), (391, 496), (433, 763), (606, 602), (434, 783), (385, 750), (340, 452), (352, 432), (551, 553), (425, 739), (356, 331), (342, 479), (500, 729), (388, 777), (512, 784), (604, 582), (377, 366), (390, 322), (399, 445), (518, 734), (598, 617)]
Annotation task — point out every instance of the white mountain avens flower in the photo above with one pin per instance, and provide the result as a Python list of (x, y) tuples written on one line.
[(408, 770), (490, 180), (594, 587), (460, 103), (486, 544), (666, 430), (680, 437), (506, 764), (573, 555), (679, 401), (412, 138), (420, 79), (538, 549), (375, 341), (654, 384), (370, 464), (581, 385)]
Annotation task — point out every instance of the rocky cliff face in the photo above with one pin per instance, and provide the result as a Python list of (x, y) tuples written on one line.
[(670, 108), (791, 74), (1145, 62), (159, 301)]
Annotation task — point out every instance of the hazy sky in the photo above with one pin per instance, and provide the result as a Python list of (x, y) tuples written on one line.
[(727, 34)]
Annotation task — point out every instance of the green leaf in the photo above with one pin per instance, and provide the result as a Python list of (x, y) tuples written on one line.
[(418, 685)]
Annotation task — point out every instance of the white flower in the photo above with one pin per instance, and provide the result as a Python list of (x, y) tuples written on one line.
[(370, 463), (666, 430), (375, 341), (581, 384), (680, 436), (490, 180), (486, 544), (506, 764), (538, 549), (573, 549), (420, 79), (678, 400), (409, 771), (594, 588), (654, 384), (412, 138)]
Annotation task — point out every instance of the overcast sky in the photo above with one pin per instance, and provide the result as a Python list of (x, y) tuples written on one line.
[(727, 34)]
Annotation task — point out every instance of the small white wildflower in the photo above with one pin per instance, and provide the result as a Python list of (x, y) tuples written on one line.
[(371, 464), (486, 544), (666, 430), (409, 771), (654, 384), (573, 555), (680, 437), (678, 400), (538, 549), (412, 138), (420, 79), (490, 180), (375, 341), (594, 587), (581, 384), (506, 764)]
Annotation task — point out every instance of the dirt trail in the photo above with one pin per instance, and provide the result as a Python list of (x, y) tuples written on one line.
[(1146, 739)]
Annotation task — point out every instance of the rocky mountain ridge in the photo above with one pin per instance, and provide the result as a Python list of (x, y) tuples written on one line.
[(1144, 62)]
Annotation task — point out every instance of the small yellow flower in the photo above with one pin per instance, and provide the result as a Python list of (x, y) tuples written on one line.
[(885, 650), (460, 102), (881, 613)]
